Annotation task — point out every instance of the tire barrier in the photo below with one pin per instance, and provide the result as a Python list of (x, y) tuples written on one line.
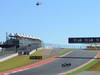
[(36, 57), (93, 47)]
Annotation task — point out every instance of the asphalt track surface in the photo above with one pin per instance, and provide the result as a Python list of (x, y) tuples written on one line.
[(55, 67)]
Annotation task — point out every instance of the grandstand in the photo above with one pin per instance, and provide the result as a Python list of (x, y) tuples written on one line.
[(20, 43)]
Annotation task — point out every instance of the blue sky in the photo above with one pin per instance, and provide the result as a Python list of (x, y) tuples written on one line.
[(54, 21)]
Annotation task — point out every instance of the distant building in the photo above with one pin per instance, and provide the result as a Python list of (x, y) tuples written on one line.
[(21, 42)]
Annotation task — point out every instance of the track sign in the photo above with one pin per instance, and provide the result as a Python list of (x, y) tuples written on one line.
[(84, 40)]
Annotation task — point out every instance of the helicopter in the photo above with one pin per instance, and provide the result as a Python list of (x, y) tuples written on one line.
[(38, 3)]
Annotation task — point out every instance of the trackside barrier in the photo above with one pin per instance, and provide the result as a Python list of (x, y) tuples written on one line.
[(8, 57), (13, 55), (32, 52)]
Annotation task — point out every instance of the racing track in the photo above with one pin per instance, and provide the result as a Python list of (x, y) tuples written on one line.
[(54, 67)]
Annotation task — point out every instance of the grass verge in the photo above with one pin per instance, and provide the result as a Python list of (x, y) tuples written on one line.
[(84, 68), (95, 67)]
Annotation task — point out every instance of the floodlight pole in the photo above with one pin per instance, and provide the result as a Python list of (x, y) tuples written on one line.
[(6, 36)]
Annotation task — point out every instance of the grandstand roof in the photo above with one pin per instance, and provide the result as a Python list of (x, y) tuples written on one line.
[(24, 36)]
